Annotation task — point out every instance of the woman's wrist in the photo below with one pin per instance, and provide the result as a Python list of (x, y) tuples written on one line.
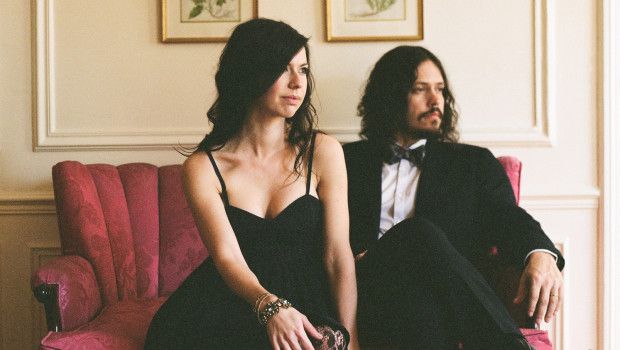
[(259, 301), (271, 309)]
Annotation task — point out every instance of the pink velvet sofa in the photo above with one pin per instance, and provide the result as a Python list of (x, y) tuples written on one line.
[(128, 240)]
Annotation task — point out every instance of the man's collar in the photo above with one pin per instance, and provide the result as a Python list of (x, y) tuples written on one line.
[(416, 144)]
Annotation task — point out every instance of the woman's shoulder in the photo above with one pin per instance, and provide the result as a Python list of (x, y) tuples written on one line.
[(326, 143), (327, 152), (198, 167), (197, 161)]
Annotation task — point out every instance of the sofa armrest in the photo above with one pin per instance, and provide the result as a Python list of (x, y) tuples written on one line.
[(69, 291)]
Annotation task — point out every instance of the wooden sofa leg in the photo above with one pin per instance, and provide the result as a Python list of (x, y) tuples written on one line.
[(48, 295)]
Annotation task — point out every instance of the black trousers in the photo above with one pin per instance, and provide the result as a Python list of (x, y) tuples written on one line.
[(417, 292)]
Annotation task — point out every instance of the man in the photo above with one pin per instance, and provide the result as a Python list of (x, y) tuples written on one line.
[(424, 210)]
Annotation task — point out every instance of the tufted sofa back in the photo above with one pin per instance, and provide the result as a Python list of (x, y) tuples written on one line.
[(131, 222)]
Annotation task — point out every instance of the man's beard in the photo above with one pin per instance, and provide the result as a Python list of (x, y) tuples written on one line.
[(420, 134), (429, 134)]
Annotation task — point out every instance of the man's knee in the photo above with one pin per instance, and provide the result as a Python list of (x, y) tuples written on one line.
[(419, 231)]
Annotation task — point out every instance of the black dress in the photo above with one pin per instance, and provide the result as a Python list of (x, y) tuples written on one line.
[(285, 254)]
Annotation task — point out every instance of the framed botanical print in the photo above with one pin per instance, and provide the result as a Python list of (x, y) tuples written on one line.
[(373, 20), (203, 20)]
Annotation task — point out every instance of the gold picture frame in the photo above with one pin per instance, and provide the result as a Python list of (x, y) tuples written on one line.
[(379, 20), (187, 21)]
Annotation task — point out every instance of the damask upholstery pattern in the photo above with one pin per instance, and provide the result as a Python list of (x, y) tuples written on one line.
[(120, 238), (140, 182), (128, 240), (82, 224), (181, 248), (120, 325)]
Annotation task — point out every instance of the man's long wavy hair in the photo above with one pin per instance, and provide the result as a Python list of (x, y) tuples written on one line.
[(255, 56), (383, 107)]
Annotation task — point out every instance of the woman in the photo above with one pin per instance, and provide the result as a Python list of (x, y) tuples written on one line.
[(269, 199)]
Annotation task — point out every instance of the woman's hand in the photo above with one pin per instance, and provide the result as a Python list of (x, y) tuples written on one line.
[(289, 330), (359, 256)]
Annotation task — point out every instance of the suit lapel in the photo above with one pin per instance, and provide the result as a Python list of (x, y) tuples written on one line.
[(436, 181), (364, 165), (374, 171)]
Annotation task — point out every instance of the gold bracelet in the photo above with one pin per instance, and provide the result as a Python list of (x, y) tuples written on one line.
[(257, 311), (271, 309), (259, 300)]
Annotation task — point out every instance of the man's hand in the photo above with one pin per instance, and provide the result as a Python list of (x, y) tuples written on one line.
[(541, 284)]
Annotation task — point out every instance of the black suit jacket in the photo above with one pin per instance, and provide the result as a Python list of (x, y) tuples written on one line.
[(463, 189)]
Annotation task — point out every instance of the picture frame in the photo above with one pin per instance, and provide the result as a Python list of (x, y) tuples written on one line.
[(378, 20), (184, 21)]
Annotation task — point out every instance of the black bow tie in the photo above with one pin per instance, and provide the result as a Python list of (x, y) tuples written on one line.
[(395, 153)]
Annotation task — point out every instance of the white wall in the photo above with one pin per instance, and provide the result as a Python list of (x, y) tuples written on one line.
[(524, 72)]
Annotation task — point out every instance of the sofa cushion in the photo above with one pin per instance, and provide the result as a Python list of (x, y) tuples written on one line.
[(122, 326)]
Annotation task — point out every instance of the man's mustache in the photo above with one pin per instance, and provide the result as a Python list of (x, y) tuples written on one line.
[(431, 111)]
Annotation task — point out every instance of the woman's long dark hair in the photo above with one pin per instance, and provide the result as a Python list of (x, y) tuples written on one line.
[(383, 107), (255, 56)]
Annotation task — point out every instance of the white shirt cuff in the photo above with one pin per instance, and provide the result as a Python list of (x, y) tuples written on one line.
[(555, 256)]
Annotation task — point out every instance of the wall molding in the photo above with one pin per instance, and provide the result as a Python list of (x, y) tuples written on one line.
[(559, 333), (43, 202), (587, 201), (609, 170), (542, 131), (343, 134), (560, 324), (48, 137), (34, 203)]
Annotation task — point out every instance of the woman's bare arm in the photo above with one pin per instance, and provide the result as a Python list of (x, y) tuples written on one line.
[(202, 192), (338, 257)]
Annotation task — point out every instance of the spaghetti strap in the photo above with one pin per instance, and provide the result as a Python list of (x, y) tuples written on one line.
[(310, 158), (219, 176)]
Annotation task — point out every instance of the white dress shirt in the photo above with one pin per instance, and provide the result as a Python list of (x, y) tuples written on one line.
[(399, 183)]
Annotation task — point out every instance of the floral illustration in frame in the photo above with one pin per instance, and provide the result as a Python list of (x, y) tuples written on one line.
[(203, 20), (373, 20)]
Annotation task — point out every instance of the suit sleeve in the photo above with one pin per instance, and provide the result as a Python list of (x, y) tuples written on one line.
[(360, 212), (353, 201), (510, 227)]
